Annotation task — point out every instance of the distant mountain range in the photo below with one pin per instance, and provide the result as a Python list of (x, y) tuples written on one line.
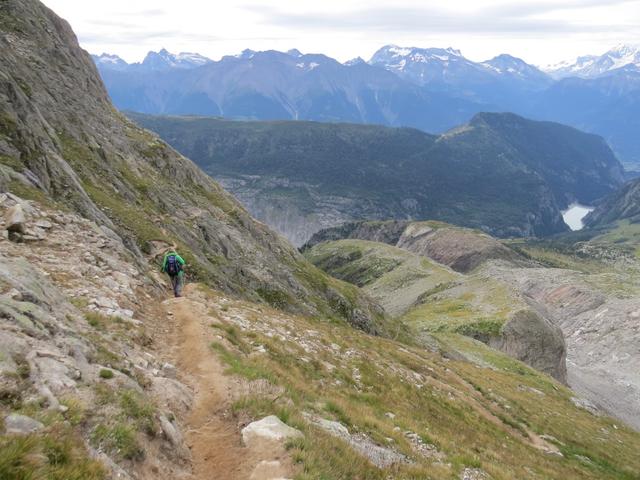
[(500, 173), (430, 89), (592, 66)]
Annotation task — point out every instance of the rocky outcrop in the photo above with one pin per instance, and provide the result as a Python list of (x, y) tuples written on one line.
[(73, 305), (388, 232), (459, 248), (534, 340), (462, 250)]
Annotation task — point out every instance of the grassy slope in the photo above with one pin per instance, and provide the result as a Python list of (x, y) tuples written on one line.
[(476, 416), (424, 295)]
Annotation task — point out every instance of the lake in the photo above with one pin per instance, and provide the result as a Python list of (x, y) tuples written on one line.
[(574, 214)]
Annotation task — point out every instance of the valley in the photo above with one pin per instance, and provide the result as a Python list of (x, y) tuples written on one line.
[(501, 173), (587, 289), (440, 319)]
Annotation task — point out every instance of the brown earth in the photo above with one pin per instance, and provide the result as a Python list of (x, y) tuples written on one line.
[(211, 432)]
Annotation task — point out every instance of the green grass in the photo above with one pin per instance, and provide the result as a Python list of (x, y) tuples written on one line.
[(106, 374), (118, 438), (58, 454), (474, 411)]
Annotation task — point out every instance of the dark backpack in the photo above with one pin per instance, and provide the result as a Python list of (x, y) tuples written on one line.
[(173, 266)]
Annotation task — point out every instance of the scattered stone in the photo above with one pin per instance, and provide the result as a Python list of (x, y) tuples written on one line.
[(169, 370), (381, 457), (390, 415), (585, 405), (14, 294), (45, 224), (426, 450), (15, 219), (474, 474), (16, 237), (21, 424), (270, 428)]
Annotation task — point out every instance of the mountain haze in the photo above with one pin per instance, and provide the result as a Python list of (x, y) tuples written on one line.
[(432, 89)]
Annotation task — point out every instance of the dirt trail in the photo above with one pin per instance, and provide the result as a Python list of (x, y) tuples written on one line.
[(211, 432)]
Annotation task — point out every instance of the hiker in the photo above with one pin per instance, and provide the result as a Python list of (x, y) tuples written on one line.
[(173, 265)]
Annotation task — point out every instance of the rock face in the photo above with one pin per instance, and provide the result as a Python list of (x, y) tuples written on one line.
[(500, 173), (536, 341), (60, 138)]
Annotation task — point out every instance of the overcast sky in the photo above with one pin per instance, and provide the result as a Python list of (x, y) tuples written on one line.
[(539, 31)]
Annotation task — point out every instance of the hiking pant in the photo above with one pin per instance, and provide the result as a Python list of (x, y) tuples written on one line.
[(176, 283)]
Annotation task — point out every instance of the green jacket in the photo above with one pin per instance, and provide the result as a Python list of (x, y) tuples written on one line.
[(178, 258)]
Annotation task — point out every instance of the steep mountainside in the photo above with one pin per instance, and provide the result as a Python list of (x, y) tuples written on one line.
[(61, 138), (624, 204), (501, 173)]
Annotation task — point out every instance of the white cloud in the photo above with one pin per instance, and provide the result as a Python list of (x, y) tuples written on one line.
[(541, 31)]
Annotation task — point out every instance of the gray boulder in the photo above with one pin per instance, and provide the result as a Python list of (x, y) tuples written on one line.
[(21, 424), (270, 428)]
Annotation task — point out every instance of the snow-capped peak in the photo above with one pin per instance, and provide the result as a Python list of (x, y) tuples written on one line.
[(590, 66), (246, 54), (109, 61), (395, 58), (294, 52), (165, 60), (355, 61)]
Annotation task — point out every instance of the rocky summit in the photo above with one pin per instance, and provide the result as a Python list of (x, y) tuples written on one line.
[(403, 360)]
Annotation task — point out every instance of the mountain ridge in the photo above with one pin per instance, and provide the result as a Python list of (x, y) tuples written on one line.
[(429, 92)]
